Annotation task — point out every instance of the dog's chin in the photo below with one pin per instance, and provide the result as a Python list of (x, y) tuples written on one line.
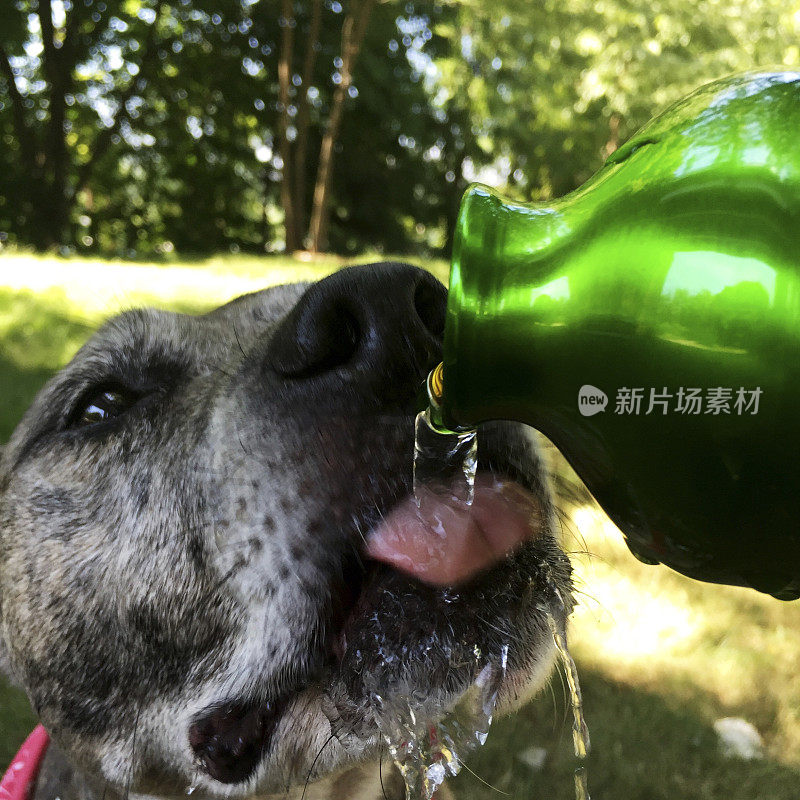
[(403, 638)]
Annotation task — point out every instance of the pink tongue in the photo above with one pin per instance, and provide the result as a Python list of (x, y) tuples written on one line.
[(443, 542)]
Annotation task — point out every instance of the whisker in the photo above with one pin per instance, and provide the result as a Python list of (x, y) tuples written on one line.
[(222, 581), (238, 340), (239, 437), (484, 782), (314, 764), (588, 553), (567, 524), (591, 597), (506, 633)]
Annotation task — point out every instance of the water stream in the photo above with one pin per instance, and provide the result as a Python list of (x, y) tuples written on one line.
[(580, 732), (426, 742), (444, 461)]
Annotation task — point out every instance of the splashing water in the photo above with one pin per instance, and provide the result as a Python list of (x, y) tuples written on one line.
[(427, 751), (580, 732)]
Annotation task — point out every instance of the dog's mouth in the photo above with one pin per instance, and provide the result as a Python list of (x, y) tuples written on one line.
[(401, 629), (390, 629), (439, 541), (348, 600)]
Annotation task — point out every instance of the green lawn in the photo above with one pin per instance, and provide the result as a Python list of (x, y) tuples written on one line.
[(661, 657)]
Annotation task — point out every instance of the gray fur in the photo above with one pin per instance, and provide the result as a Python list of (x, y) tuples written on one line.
[(191, 554)]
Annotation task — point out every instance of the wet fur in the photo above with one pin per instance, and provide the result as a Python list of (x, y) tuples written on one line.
[(193, 553)]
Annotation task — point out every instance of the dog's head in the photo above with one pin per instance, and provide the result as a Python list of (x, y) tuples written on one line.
[(183, 589)]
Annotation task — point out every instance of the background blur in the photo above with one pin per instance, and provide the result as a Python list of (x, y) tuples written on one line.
[(143, 128), (181, 153)]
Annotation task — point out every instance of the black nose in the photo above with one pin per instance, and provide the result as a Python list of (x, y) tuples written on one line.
[(379, 321)]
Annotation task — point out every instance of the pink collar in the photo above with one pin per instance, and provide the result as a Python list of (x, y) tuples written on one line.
[(20, 777)]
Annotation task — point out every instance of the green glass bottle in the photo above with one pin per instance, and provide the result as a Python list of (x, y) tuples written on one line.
[(649, 325)]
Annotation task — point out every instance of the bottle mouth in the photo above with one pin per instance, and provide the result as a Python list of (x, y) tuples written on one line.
[(435, 388), (436, 384)]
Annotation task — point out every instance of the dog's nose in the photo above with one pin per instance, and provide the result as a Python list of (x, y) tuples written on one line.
[(379, 318)]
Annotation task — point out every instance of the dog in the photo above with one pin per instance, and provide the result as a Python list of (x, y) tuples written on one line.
[(184, 592)]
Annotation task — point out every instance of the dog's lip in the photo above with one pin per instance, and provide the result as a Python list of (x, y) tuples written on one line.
[(440, 540), (437, 541), (229, 739), (347, 598)]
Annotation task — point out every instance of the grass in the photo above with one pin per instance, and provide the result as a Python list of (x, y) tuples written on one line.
[(661, 657)]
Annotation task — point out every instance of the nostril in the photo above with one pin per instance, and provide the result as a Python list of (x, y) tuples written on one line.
[(361, 318), (429, 306), (322, 334), (336, 341)]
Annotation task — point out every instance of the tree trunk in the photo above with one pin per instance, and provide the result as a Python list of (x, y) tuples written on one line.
[(55, 213), (53, 178), (353, 30), (613, 136), (25, 135), (285, 148), (35, 187), (265, 226), (303, 118)]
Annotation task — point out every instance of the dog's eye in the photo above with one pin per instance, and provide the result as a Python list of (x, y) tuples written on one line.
[(101, 406)]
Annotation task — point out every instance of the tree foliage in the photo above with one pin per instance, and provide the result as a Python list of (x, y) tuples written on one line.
[(137, 127)]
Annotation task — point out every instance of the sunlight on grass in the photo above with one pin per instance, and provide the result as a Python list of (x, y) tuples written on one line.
[(81, 293), (97, 287), (654, 629), (656, 622)]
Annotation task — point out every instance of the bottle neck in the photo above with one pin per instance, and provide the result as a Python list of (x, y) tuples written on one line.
[(500, 250)]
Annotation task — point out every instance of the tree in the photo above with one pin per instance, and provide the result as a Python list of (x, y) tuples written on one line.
[(552, 87), (56, 156), (353, 30), (190, 124), (135, 127), (368, 38)]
